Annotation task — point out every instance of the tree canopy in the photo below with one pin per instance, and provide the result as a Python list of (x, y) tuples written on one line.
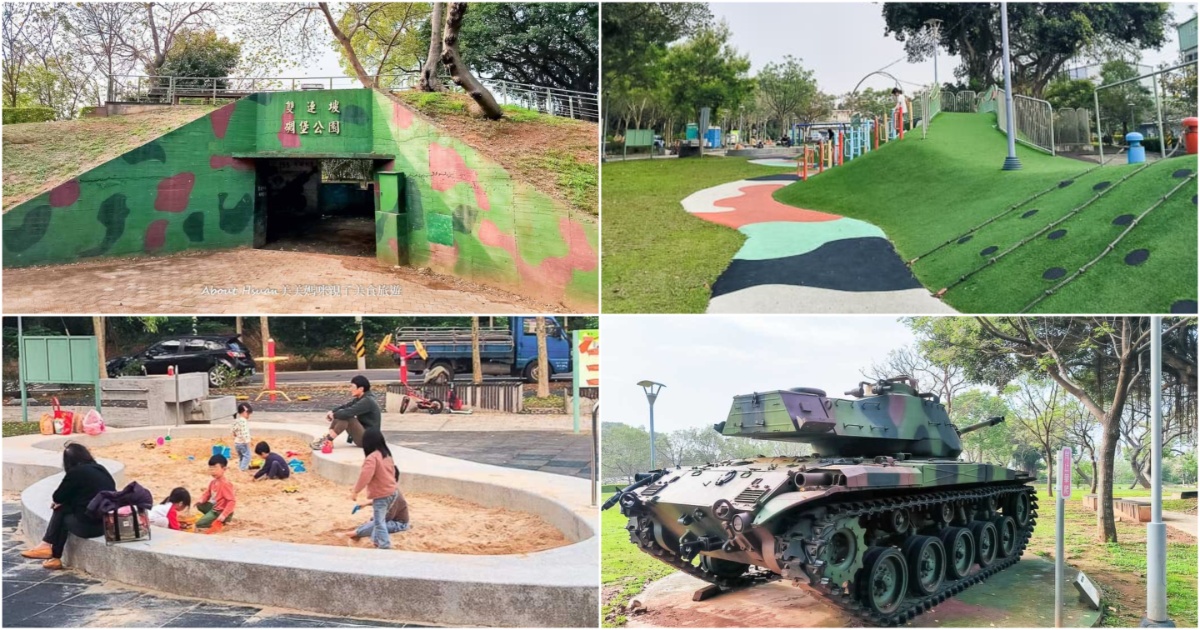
[(1043, 36), (551, 44)]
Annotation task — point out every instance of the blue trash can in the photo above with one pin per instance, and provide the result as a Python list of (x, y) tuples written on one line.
[(1137, 152)]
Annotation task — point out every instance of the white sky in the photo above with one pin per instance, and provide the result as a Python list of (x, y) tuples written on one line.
[(705, 360), (843, 41)]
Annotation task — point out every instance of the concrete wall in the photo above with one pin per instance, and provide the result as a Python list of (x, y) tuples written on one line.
[(179, 191), (466, 216)]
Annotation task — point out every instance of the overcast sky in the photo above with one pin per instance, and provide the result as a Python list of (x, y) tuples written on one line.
[(844, 41), (705, 360)]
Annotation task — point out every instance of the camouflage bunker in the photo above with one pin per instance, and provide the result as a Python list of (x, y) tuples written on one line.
[(240, 174)]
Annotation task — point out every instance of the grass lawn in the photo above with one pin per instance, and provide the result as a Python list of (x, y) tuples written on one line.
[(1119, 569), (657, 257), (624, 571), (39, 156), (13, 429), (926, 192)]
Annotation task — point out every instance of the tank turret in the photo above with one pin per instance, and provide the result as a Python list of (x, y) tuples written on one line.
[(888, 417)]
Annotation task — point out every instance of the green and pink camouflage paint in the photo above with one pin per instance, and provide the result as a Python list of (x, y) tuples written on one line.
[(882, 518), (439, 202)]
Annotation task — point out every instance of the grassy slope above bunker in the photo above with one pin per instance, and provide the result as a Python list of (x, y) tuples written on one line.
[(40, 156), (925, 192), (556, 155)]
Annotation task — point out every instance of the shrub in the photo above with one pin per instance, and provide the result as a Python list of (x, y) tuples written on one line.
[(17, 115), (88, 111)]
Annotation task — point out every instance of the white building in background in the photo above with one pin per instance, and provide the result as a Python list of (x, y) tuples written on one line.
[(1091, 71), (1186, 32)]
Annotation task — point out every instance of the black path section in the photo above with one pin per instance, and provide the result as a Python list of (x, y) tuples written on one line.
[(1054, 273), (965, 239), (37, 598), (849, 264), (989, 250), (1066, 182), (1124, 219), (1029, 213), (1184, 307), (544, 451), (780, 177), (1101, 185), (1056, 234), (1181, 173), (1137, 257)]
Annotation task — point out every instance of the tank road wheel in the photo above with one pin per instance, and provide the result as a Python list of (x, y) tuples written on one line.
[(1019, 509), (960, 551), (1006, 533), (943, 513), (896, 521), (722, 567), (987, 542), (926, 564), (843, 553), (883, 581)]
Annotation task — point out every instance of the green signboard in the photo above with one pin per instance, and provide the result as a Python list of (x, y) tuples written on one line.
[(65, 360), (585, 361)]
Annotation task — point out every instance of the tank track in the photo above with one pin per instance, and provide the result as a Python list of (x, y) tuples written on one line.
[(911, 606)]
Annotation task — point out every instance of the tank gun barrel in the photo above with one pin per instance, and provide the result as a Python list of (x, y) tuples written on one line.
[(990, 422), (648, 478)]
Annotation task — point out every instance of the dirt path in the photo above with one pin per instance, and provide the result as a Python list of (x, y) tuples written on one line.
[(249, 281), (319, 511)]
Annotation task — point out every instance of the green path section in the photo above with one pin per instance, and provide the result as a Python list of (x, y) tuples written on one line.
[(657, 257), (779, 239), (925, 192)]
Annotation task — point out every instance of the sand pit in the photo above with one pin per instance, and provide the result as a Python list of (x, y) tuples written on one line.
[(319, 511)]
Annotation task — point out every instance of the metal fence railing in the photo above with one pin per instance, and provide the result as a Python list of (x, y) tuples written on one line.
[(1073, 129), (163, 89), (965, 101), (1032, 117), (1153, 104)]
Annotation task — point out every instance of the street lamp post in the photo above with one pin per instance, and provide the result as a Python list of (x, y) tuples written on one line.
[(651, 389), (1011, 163), (934, 25), (1156, 530)]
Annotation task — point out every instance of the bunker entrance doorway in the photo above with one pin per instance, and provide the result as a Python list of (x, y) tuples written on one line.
[(316, 205)]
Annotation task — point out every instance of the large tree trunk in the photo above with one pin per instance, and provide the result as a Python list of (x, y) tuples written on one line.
[(266, 333), (458, 70), (429, 80), (1106, 527), (1050, 470), (363, 76), (1093, 476)]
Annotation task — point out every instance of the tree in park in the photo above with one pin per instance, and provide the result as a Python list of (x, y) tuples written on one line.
[(1043, 37), (1125, 106), (157, 27), (624, 451), (706, 71), (933, 374), (99, 29), (386, 37), (551, 44), (1074, 93), (308, 337), (278, 34), (994, 445), (1037, 407), (785, 88), (1095, 360), (201, 53)]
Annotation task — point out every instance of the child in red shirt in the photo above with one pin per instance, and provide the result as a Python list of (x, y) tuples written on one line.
[(220, 490)]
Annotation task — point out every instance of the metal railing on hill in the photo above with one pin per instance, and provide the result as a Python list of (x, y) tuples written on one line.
[(1066, 129), (170, 89)]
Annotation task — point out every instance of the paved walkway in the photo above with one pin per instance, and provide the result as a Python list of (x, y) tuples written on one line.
[(1185, 523), (249, 281), (37, 598), (803, 261), (544, 451)]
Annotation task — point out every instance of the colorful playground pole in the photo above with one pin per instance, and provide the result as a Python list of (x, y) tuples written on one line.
[(877, 134), (1137, 152), (802, 171), (841, 144), (271, 368), (1189, 135), (821, 163)]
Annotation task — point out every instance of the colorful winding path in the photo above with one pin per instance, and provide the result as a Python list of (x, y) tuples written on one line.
[(803, 261)]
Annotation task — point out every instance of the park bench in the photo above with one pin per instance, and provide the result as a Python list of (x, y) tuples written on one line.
[(1131, 510)]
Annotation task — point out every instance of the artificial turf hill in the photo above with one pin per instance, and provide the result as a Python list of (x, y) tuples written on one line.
[(996, 241)]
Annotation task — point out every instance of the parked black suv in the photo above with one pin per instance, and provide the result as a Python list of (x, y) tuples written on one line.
[(219, 355)]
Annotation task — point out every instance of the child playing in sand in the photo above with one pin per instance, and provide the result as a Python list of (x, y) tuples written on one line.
[(274, 466), (241, 435), (397, 520), (166, 514), (220, 490), (378, 478)]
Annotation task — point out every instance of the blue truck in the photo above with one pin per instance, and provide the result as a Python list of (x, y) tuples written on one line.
[(503, 350)]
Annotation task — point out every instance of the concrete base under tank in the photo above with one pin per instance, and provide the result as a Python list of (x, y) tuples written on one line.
[(1018, 597)]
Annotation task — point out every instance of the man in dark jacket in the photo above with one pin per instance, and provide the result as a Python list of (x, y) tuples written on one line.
[(354, 417)]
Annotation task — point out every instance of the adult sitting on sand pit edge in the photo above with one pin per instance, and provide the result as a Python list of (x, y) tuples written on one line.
[(354, 417), (84, 479)]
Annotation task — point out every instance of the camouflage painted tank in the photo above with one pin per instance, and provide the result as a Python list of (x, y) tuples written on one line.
[(882, 519)]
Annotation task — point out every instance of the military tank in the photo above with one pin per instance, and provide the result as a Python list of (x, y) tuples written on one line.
[(881, 519)]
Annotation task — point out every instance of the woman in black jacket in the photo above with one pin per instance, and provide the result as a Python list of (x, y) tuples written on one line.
[(84, 479)]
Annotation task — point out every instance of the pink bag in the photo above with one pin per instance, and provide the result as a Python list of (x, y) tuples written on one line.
[(93, 424)]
